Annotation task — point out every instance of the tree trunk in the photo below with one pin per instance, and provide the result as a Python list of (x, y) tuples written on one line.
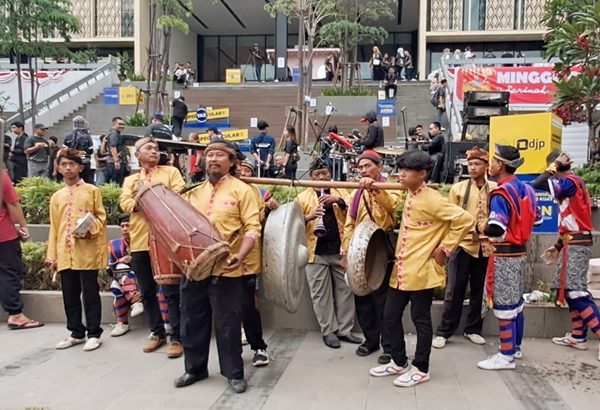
[(300, 98), (20, 85), (308, 83), (164, 69), (32, 104), (151, 51)]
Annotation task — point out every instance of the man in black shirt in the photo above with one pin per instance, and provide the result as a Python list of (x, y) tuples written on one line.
[(333, 302), (180, 111), (374, 137), (36, 148), (435, 148), (158, 129), (117, 162), (81, 140), (17, 156)]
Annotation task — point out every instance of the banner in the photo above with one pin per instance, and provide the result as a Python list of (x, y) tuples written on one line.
[(527, 85), (232, 135), (214, 114)]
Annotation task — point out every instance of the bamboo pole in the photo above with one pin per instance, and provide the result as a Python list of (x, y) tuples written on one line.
[(323, 184), (3, 167)]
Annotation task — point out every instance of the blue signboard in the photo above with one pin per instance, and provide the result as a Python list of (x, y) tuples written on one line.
[(202, 115), (111, 95), (386, 108), (548, 206), (220, 124)]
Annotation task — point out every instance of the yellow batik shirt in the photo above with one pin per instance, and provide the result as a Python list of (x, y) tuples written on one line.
[(66, 206), (429, 221), (253, 262), (167, 175), (477, 206), (232, 208), (383, 205), (309, 201)]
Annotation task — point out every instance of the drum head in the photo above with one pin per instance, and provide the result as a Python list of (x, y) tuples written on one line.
[(367, 258), (284, 256)]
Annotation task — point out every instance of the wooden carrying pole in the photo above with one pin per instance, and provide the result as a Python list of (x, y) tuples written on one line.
[(322, 184)]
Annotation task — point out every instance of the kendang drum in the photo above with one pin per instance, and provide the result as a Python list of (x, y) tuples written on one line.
[(165, 271), (184, 235), (367, 258)]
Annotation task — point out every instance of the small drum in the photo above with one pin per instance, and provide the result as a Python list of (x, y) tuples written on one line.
[(165, 271), (367, 258), (183, 235)]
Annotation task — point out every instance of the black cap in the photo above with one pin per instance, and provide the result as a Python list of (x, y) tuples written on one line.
[(509, 155), (319, 163)]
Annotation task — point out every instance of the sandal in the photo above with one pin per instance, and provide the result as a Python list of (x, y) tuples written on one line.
[(365, 350), (29, 324)]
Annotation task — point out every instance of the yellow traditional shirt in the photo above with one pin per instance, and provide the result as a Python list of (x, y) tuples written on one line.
[(232, 208), (383, 205), (66, 206), (477, 206), (309, 201), (167, 175), (253, 262), (429, 221)]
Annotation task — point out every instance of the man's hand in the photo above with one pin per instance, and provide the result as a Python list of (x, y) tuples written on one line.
[(328, 199), (272, 204), (550, 255), (24, 233), (125, 259), (118, 165), (343, 261), (233, 262), (87, 235), (366, 183), (317, 213), (51, 263), (439, 256), (563, 159)]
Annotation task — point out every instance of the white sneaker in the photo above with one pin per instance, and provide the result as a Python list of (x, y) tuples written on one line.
[(92, 344), (411, 378), (439, 342), (244, 339), (168, 329), (497, 362), (475, 338), (120, 329), (518, 353), (570, 341), (389, 369), (137, 309), (69, 342)]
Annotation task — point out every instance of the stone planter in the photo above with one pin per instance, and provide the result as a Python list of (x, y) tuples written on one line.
[(348, 106)]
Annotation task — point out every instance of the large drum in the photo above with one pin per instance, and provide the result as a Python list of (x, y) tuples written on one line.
[(367, 258), (184, 235), (284, 256), (165, 271)]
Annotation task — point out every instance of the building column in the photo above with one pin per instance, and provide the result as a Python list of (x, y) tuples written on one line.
[(281, 33), (141, 34), (422, 45)]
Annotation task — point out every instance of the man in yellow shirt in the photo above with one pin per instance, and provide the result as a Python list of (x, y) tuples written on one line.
[(147, 152), (232, 208), (468, 264), (431, 229), (77, 255), (331, 296), (380, 206)]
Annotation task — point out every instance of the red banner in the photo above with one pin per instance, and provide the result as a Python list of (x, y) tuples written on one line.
[(527, 85)]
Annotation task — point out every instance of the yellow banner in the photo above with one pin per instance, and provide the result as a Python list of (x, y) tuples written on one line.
[(232, 135), (129, 95), (213, 114)]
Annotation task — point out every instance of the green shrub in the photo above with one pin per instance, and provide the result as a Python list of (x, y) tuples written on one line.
[(590, 173), (137, 77), (284, 194), (38, 275), (138, 119), (349, 92), (110, 198), (35, 198)]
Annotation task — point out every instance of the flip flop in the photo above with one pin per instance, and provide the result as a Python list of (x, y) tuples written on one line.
[(30, 324)]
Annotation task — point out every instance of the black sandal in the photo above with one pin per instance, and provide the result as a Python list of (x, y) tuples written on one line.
[(365, 350)]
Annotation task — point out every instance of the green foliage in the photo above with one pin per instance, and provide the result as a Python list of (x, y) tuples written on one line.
[(348, 92), (37, 274), (84, 56), (284, 194), (139, 119), (137, 77), (125, 66), (590, 173), (110, 198), (35, 198)]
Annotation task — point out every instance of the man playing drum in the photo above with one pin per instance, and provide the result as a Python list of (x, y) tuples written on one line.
[(432, 227), (325, 214), (232, 208), (379, 206), (468, 264), (147, 152)]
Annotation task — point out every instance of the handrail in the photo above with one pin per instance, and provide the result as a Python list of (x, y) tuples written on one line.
[(45, 104), (55, 66)]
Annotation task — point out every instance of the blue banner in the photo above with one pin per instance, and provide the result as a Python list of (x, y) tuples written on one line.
[(220, 124), (386, 108), (548, 206), (111, 95)]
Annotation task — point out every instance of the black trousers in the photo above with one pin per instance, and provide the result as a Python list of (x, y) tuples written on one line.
[(420, 313), (140, 262), (369, 312), (11, 275), (172, 294), (177, 125), (217, 299), (111, 174), (463, 269), (250, 314), (75, 283), (19, 169)]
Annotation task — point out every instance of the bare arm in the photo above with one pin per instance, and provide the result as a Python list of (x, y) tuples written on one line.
[(16, 213)]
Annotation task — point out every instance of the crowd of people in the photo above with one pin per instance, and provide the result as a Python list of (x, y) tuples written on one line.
[(479, 233)]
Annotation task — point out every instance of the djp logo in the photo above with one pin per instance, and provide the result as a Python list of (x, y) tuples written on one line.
[(524, 144)]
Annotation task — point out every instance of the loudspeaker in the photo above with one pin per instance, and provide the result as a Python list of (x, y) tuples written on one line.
[(486, 98), (454, 150)]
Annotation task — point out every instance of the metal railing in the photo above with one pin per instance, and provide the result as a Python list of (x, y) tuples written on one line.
[(100, 72)]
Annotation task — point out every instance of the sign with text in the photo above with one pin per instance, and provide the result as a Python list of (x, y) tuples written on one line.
[(231, 135), (111, 95), (386, 108), (547, 205), (211, 114)]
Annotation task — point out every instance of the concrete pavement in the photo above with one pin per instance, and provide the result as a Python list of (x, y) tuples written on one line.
[(303, 374)]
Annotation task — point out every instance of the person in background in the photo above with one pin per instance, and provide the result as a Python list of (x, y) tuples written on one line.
[(262, 148), (17, 155), (400, 64), (36, 148), (117, 162), (7, 141), (291, 158), (375, 64), (391, 81), (435, 148), (80, 139), (180, 111), (101, 155), (374, 135), (158, 129), (409, 66), (214, 134), (53, 149), (258, 59), (279, 169)]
